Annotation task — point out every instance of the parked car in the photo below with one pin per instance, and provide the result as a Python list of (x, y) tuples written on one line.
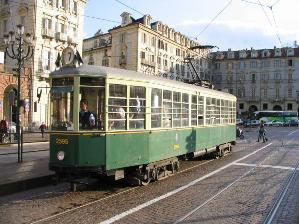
[(291, 123), (239, 121), (276, 123), (252, 123), (12, 127)]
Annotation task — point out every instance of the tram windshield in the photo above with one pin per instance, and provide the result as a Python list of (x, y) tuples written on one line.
[(62, 98)]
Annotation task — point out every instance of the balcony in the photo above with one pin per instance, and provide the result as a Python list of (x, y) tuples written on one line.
[(252, 99), (72, 40), (278, 100), (61, 36), (47, 33), (147, 62)]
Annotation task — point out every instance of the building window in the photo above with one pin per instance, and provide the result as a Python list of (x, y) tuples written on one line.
[(253, 64), (22, 20), (277, 76), (144, 38), (142, 55), (290, 106), (265, 106), (241, 106), (253, 78), (242, 65), (46, 60), (290, 62), (265, 92), (217, 66), (159, 60), (229, 65), (153, 41), (277, 93), (47, 23), (75, 7), (5, 27), (277, 63), (122, 37), (290, 92), (265, 64), (253, 92), (290, 76)]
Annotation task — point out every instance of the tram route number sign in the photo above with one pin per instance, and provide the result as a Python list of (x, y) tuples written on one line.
[(62, 141)]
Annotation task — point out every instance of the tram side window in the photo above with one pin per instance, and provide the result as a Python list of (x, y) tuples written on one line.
[(194, 110), (117, 107), (225, 112), (167, 109), (208, 110), (177, 111), (234, 112), (156, 108), (217, 112), (200, 111), (185, 110), (137, 107)]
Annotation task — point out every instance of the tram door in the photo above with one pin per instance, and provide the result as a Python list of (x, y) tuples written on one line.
[(92, 90)]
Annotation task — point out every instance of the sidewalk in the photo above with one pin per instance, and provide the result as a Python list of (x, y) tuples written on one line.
[(33, 172)]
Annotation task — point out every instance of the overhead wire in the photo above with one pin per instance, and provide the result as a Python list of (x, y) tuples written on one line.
[(213, 19), (275, 27), (141, 13)]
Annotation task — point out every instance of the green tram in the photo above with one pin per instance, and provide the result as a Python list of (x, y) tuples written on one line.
[(141, 125)]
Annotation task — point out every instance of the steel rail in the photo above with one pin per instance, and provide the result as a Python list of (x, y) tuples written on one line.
[(223, 190), (108, 197), (281, 196)]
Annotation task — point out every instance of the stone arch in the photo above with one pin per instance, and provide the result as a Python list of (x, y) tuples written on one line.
[(251, 110), (10, 105), (277, 108)]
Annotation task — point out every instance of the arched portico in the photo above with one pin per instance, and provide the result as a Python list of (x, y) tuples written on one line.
[(277, 108)]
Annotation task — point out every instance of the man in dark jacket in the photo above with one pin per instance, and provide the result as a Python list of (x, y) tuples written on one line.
[(86, 118)]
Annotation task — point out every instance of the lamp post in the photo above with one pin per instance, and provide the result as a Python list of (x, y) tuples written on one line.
[(19, 46)]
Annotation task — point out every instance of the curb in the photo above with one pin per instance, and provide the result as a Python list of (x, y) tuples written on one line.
[(22, 185)]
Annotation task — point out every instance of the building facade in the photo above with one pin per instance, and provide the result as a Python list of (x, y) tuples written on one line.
[(143, 46), (264, 79), (55, 24)]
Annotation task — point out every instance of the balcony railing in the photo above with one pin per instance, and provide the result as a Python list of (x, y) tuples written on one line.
[(47, 33), (147, 62), (61, 36)]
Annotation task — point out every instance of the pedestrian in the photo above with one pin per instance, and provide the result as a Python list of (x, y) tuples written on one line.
[(3, 129), (87, 119), (262, 132), (42, 128)]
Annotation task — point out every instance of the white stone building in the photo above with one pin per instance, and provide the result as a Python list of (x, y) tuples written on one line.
[(151, 48), (55, 24), (264, 79)]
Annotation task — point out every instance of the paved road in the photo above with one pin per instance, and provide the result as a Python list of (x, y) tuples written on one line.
[(31, 152), (240, 188)]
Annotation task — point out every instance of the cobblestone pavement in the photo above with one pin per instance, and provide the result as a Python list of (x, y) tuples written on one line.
[(229, 190)]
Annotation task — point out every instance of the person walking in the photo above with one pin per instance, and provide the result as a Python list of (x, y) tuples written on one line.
[(3, 129), (262, 132), (42, 128)]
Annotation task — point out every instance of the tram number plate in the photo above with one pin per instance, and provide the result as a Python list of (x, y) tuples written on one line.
[(62, 141)]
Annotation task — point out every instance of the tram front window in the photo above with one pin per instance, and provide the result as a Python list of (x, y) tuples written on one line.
[(62, 109), (92, 103)]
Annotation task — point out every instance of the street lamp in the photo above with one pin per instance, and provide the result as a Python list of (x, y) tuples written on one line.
[(21, 47)]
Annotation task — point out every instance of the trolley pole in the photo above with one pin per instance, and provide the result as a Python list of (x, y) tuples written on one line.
[(21, 47)]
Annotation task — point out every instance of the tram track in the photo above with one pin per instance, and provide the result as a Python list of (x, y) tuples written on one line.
[(107, 197), (223, 190)]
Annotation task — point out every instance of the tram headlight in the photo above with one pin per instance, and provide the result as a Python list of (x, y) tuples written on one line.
[(60, 155)]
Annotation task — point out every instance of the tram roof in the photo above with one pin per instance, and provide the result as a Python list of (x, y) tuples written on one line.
[(102, 71)]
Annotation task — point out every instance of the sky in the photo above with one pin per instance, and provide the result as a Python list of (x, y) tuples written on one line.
[(234, 24)]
